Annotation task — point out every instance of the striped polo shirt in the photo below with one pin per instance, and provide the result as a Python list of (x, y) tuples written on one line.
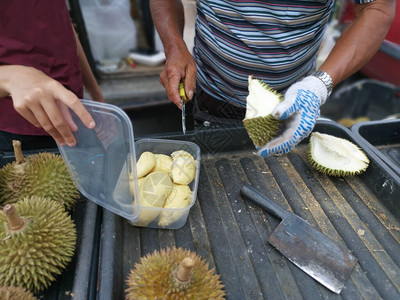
[(273, 40)]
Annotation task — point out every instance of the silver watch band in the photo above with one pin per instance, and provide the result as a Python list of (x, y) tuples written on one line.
[(326, 79)]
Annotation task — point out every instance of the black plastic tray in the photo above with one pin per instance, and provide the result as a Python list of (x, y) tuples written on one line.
[(231, 233), (382, 138), (78, 280)]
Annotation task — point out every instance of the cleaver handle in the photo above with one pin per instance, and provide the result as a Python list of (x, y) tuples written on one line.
[(263, 201)]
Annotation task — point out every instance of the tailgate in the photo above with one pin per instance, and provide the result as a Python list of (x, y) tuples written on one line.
[(232, 233)]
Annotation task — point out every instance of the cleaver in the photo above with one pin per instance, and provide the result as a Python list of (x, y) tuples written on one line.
[(327, 262)]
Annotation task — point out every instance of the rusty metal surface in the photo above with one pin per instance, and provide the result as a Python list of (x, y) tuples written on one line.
[(232, 233)]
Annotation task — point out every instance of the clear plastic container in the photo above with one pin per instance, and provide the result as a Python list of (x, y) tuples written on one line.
[(104, 157), (103, 165), (176, 217)]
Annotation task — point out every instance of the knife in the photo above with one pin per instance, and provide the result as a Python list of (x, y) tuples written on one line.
[(183, 101)]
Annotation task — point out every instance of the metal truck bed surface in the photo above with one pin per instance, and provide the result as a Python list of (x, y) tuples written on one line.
[(231, 233)]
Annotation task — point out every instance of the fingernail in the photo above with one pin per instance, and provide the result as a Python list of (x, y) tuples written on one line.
[(190, 94), (92, 125), (62, 144), (71, 144)]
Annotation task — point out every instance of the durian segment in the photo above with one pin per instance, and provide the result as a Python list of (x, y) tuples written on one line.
[(260, 125), (155, 277), (145, 164), (336, 156), (36, 251), (43, 174), (15, 293), (152, 194), (178, 153), (183, 170), (163, 163), (180, 197)]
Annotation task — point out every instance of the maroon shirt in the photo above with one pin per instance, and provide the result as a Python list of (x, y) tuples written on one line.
[(39, 34)]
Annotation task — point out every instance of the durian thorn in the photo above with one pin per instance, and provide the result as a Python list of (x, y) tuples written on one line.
[(15, 222), (19, 157), (183, 273)]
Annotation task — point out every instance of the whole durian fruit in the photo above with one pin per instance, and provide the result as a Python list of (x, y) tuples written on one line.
[(173, 273), (15, 293), (43, 174), (37, 241), (260, 125), (335, 156)]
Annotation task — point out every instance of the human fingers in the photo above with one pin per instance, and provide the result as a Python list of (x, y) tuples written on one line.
[(66, 113), (53, 121), (171, 85), (72, 101), (286, 140)]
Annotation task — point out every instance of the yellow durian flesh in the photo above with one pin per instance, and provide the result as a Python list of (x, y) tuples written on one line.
[(260, 103), (152, 194), (180, 197), (336, 156), (145, 164), (163, 163), (183, 170), (178, 153)]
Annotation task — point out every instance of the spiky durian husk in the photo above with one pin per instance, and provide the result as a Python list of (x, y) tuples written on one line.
[(33, 256), (261, 102), (11, 182), (44, 174), (15, 293), (153, 278), (262, 129), (337, 148)]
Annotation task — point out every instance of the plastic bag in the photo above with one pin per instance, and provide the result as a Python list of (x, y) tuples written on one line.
[(110, 28)]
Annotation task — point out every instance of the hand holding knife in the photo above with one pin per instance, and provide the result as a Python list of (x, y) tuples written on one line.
[(183, 102)]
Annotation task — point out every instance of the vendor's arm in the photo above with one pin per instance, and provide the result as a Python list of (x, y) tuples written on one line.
[(89, 81), (43, 101), (360, 40), (356, 45), (168, 17)]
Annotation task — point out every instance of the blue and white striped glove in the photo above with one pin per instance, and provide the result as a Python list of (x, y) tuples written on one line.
[(300, 109)]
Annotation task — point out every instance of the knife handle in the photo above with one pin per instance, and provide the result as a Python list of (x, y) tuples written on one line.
[(263, 201), (182, 93)]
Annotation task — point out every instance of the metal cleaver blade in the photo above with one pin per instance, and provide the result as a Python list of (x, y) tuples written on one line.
[(327, 262)]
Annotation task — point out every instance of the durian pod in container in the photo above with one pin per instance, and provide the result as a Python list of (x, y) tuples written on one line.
[(180, 197), (43, 174), (152, 194), (259, 123), (173, 273), (15, 293), (38, 240)]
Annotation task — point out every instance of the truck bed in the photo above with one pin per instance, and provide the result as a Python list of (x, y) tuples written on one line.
[(231, 233)]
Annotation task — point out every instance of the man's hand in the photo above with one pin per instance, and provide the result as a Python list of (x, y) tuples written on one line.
[(44, 102), (300, 109), (179, 65)]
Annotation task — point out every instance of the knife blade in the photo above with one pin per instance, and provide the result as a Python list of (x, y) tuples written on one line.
[(183, 102)]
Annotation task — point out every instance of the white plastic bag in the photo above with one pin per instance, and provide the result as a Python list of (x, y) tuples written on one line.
[(110, 28)]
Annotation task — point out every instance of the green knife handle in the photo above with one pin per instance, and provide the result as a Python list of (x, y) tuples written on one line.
[(263, 201)]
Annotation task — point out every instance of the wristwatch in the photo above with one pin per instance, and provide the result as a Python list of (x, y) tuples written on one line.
[(326, 79)]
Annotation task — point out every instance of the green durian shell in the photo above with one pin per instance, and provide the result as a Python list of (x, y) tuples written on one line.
[(15, 293), (11, 182), (153, 277), (34, 255), (337, 151), (262, 129), (44, 174)]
